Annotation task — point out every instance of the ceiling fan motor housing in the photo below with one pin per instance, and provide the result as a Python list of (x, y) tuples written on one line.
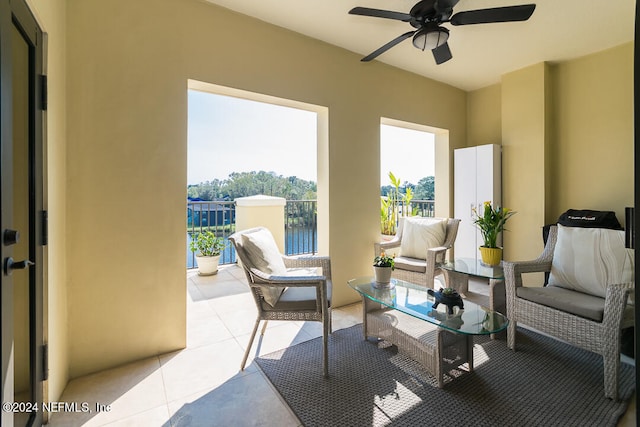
[(430, 36)]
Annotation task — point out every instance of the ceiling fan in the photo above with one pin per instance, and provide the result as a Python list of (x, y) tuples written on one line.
[(428, 15)]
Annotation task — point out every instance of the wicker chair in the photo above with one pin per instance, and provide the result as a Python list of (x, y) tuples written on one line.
[(599, 336), (306, 296), (419, 271)]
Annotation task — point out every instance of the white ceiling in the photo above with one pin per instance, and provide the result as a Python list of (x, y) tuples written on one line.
[(558, 30)]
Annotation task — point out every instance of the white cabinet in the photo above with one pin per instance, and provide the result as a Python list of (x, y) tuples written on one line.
[(476, 179)]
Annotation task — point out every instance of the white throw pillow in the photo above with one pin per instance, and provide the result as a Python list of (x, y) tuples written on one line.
[(589, 259), (420, 234), (264, 254)]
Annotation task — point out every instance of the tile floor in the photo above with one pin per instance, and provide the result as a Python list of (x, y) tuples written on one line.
[(202, 384)]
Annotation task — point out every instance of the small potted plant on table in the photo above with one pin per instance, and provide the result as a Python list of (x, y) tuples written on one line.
[(383, 265), (207, 247), (491, 223)]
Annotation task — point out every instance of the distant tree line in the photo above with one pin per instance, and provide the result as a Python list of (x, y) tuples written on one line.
[(423, 190), (243, 184)]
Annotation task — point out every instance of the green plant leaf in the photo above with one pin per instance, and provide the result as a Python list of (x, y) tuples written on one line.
[(207, 244)]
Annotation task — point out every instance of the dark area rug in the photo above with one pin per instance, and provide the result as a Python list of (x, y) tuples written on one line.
[(544, 383)]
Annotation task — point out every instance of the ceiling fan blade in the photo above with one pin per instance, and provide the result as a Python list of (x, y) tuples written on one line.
[(444, 5), (496, 14), (442, 53), (379, 13), (387, 46)]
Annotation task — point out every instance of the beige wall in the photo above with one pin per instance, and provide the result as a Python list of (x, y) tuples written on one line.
[(567, 131), (484, 116), (126, 152), (524, 136), (593, 142), (51, 15), (262, 211)]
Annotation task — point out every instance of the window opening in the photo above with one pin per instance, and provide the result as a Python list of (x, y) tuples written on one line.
[(407, 174), (239, 147)]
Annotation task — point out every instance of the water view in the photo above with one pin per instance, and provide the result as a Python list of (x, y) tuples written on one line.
[(298, 241)]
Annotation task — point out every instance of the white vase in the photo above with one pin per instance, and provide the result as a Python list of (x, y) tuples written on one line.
[(382, 276), (207, 265)]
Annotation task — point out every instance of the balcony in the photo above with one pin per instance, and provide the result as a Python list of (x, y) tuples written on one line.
[(300, 219), (300, 224)]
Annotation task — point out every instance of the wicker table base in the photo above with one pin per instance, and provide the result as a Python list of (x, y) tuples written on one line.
[(435, 348)]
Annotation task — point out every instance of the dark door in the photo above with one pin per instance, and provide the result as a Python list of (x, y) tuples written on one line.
[(21, 215)]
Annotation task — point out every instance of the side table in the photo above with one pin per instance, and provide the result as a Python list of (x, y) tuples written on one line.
[(456, 274)]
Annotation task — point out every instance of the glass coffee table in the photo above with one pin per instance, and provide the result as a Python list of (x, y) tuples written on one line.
[(456, 275), (404, 315)]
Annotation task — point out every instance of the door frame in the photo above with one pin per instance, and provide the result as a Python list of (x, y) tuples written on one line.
[(16, 13)]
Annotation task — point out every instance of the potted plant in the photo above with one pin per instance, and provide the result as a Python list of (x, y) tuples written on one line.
[(383, 265), (389, 207), (491, 223), (207, 247), (390, 204)]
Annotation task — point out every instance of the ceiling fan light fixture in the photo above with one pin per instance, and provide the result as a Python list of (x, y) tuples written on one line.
[(430, 37)]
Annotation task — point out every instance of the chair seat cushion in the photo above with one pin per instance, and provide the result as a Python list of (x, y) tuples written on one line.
[(420, 234), (411, 264), (578, 303), (299, 298), (303, 271)]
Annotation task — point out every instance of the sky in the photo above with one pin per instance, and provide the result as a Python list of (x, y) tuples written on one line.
[(408, 153), (227, 134)]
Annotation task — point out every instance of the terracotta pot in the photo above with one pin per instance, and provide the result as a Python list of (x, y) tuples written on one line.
[(491, 256)]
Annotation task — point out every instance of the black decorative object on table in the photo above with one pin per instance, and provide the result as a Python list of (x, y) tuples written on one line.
[(447, 296)]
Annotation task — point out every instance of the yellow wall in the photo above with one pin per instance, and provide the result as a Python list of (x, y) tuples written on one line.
[(484, 116), (126, 154), (51, 15), (567, 135), (593, 143), (262, 211), (524, 135)]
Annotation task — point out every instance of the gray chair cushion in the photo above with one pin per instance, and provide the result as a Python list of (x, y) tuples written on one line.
[(294, 299), (578, 303), (411, 264)]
